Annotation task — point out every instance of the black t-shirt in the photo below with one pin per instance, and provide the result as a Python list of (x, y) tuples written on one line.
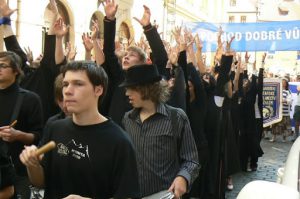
[(96, 161)]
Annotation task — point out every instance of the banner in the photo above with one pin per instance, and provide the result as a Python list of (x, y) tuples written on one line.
[(260, 36), (272, 98)]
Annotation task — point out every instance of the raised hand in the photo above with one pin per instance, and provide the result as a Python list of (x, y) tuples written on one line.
[(247, 57), (60, 29), (145, 20), (228, 44), (95, 30), (87, 42), (110, 8), (173, 55), (177, 33), (5, 10), (53, 7), (71, 51), (198, 42), (29, 55), (219, 36)]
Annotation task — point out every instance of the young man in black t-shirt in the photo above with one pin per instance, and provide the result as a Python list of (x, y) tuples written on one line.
[(94, 158), (23, 106)]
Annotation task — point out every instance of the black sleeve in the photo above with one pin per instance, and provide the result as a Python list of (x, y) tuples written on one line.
[(252, 90), (260, 81), (111, 66), (12, 44), (178, 95), (182, 62), (232, 75), (34, 114), (48, 59), (223, 77), (240, 91), (245, 75), (160, 55), (201, 97)]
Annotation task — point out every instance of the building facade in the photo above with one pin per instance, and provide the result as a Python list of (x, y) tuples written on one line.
[(244, 11), (31, 21)]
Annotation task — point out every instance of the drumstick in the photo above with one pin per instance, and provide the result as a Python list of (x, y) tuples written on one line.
[(13, 123), (47, 147)]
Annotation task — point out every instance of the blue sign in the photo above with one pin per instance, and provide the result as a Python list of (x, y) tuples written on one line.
[(260, 36), (272, 96)]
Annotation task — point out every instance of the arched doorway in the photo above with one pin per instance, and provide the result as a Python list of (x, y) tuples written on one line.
[(124, 33), (98, 16)]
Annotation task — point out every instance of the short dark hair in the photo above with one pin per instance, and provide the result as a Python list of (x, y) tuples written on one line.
[(157, 92), (95, 73), (14, 60)]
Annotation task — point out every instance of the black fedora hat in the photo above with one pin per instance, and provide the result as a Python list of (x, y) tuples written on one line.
[(141, 75)]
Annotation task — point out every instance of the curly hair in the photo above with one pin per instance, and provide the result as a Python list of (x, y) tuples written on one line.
[(157, 92)]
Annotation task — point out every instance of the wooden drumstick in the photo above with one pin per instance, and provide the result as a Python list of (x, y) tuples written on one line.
[(47, 147), (13, 124)]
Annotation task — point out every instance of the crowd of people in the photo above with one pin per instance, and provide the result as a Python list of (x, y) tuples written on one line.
[(128, 121)]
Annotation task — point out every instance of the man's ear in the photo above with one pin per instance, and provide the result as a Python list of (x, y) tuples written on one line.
[(98, 90)]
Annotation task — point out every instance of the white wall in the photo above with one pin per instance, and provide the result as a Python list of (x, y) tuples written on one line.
[(31, 15)]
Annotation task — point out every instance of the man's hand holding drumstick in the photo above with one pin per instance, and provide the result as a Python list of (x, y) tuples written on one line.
[(8, 133), (31, 157)]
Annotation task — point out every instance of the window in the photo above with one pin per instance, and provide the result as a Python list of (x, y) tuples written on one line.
[(231, 19), (232, 3), (243, 19)]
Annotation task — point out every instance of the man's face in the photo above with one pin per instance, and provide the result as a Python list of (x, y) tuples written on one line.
[(135, 98), (7, 74), (130, 58), (79, 94)]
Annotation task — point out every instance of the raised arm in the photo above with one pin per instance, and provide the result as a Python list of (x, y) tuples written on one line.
[(88, 45), (199, 58), (261, 73), (158, 50), (10, 39), (112, 65), (60, 30), (99, 55), (48, 59), (237, 74)]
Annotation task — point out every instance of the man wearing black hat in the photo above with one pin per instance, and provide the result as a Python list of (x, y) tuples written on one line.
[(166, 152), (116, 104)]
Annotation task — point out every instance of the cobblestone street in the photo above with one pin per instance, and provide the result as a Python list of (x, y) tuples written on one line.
[(275, 154)]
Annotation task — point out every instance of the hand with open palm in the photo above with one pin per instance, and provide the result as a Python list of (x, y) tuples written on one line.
[(145, 20)]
